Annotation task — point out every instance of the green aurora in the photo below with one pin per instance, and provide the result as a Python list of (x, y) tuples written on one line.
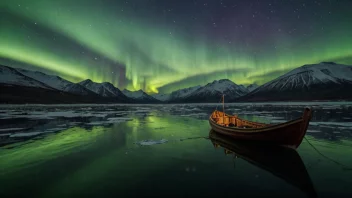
[(134, 46)]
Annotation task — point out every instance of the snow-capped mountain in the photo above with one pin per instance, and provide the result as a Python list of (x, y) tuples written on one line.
[(252, 87), (183, 93), (104, 89), (321, 81), (139, 96), (177, 95), (56, 82), (161, 96), (11, 76), (212, 92), (25, 86)]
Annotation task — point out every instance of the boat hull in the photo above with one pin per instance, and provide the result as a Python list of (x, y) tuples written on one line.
[(288, 134)]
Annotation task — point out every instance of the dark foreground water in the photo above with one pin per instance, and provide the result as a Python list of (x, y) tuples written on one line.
[(160, 151)]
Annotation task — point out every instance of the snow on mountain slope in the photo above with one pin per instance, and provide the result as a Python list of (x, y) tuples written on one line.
[(323, 81), (161, 97), (184, 93), (212, 92), (11, 76), (220, 87), (252, 87), (139, 96), (104, 89), (56, 82), (310, 75), (176, 95)]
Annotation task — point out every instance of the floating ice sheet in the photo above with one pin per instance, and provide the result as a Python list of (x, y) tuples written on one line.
[(11, 129), (346, 124), (313, 131), (151, 142), (29, 134)]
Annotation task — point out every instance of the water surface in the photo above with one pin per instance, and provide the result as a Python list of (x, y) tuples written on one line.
[(160, 151)]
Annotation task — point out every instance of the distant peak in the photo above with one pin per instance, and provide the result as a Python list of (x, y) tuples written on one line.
[(37, 72), (85, 82), (125, 89), (224, 80), (328, 63), (88, 80), (106, 83), (221, 81), (138, 91)]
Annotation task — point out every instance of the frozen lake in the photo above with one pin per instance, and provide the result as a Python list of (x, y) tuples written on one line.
[(160, 150)]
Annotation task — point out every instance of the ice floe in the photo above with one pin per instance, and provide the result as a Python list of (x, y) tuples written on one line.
[(110, 121), (194, 115), (54, 129), (120, 119), (347, 124), (29, 134), (151, 142), (277, 121), (313, 131), (53, 114), (11, 129)]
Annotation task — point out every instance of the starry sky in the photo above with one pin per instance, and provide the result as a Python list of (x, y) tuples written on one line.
[(164, 45)]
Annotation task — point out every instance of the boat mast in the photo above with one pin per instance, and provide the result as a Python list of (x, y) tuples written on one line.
[(223, 109)]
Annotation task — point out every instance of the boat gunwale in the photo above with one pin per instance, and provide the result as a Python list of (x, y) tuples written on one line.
[(256, 130)]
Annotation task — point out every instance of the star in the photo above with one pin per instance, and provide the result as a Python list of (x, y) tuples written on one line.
[(146, 40)]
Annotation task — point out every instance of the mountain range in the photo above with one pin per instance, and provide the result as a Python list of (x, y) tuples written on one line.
[(323, 81)]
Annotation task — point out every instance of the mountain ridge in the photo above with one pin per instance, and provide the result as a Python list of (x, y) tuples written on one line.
[(56, 82), (104, 89), (213, 91), (322, 81), (140, 96)]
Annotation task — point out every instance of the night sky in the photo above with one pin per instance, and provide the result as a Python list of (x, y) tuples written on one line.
[(163, 45)]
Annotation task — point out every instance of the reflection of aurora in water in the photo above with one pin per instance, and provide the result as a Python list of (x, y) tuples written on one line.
[(104, 160), (52, 146), (150, 45)]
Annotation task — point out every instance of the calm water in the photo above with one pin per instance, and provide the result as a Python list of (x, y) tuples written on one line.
[(160, 151)]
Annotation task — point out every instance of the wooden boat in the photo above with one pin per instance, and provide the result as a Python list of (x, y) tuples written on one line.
[(288, 134), (282, 162)]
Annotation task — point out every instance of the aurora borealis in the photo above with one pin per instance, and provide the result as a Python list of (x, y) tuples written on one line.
[(163, 45)]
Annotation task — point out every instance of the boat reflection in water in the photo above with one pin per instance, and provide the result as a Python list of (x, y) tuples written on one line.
[(282, 162)]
